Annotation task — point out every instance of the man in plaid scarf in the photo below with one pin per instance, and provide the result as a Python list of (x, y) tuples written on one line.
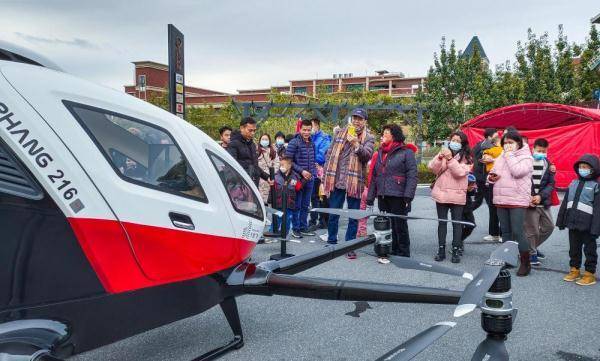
[(346, 171)]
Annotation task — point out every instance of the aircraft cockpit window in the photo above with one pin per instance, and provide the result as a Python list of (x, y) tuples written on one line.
[(140, 152), (240, 193)]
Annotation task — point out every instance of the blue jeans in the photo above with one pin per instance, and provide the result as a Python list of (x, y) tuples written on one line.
[(290, 216), (336, 200), (300, 220)]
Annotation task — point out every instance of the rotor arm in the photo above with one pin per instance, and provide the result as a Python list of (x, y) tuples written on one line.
[(345, 290), (302, 262)]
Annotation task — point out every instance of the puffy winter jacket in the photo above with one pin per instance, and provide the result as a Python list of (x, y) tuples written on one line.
[(451, 182), (303, 155), (396, 176), (264, 163), (244, 151), (322, 142), (513, 187), (478, 167), (580, 209), (281, 183)]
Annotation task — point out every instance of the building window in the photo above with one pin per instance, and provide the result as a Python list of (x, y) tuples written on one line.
[(141, 81), (329, 88), (355, 87), (139, 152), (300, 90), (378, 87)]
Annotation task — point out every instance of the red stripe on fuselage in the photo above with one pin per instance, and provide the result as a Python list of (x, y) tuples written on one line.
[(159, 255)]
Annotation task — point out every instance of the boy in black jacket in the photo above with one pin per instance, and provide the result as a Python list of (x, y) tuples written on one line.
[(467, 214), (288, 183), (580, 213)]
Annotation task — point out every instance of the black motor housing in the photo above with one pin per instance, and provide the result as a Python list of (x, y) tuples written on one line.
[(383, 236)]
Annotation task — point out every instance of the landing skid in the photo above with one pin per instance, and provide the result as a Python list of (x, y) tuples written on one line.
[(229, 307)]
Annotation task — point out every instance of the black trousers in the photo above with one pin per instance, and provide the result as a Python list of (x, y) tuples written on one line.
[(456, 212), (487, 192), (400, 236), (577, 241), (468, 216), (315, 202)]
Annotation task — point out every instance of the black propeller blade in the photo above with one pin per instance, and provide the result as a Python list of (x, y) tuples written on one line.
[(409, 263), (491, 350), (359, 214), (411, 348), (473, 294)]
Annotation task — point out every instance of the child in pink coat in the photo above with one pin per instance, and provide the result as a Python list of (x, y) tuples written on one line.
[(451, 167), (511, 177)]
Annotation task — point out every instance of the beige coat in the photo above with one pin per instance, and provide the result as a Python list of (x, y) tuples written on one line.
[(264, 162)]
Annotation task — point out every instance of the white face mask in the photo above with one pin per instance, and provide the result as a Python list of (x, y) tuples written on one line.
[(283, 169), (264, 143)]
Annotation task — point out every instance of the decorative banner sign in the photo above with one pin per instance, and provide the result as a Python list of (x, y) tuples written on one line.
[(176, 72)]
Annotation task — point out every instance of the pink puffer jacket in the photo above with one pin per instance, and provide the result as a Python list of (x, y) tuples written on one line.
[(451, 184), (513, 188)]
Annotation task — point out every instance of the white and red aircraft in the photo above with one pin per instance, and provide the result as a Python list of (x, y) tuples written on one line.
[(117, 217)]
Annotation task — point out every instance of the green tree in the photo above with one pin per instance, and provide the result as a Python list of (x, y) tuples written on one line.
[(587, 78)]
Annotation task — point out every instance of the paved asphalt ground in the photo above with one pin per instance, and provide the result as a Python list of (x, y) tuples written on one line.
[(557, 320)]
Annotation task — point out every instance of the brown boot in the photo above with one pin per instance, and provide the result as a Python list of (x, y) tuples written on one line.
[(587, 279), (525, 266), (573, 275)]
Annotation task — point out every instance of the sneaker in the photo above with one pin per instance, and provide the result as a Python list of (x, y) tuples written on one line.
[(383, 260), (540, 255), (325, 237), (308, 233), (587, 279), (351, 255), (490, 238), (534, 261), (572, 275), (296, 234)]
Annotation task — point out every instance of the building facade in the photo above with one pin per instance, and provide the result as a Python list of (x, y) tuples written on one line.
[(151, 79)]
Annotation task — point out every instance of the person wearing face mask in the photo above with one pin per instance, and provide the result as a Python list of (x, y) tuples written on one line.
[(511, 177), (301, 150), (280, 144), (538, 218), (267, 158), (580, 213), (346, 172), (451, 167)]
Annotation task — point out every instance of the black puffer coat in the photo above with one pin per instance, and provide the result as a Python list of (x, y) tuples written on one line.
[(580, 209), (396, 176), (244, 151)]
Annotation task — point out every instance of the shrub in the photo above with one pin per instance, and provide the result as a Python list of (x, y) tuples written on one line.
[(424, 175)]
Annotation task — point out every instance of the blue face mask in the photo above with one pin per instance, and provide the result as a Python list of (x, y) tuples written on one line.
[(584, 172), (539, 156), (455, 146), (279, 142)]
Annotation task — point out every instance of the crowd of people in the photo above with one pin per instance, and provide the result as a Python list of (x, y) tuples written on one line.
[(313, 169)]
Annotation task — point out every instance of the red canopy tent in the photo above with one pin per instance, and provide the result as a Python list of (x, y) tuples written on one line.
[(572, 131)]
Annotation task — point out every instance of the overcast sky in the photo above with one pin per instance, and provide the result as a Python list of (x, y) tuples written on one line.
[(254, 44)]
